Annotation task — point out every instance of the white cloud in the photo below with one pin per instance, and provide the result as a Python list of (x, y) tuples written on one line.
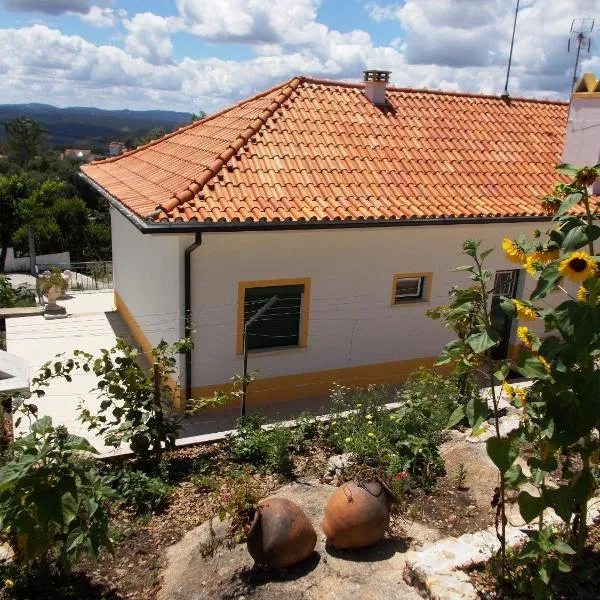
[(442, 44), (149, 36), (472, 37), (103, 17), (50, 7)]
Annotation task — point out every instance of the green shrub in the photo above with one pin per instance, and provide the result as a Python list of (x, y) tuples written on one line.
[(142, 492), (52, 499), (429, 399), (268, 450), (405, 441), (11, 297), (238, 502)]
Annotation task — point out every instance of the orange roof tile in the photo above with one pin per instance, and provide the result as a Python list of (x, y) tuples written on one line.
[(317, 150)]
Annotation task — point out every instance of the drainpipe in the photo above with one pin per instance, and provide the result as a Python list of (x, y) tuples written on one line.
[(187, 310)]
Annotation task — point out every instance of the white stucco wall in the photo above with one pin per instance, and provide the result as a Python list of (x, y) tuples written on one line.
[(148, 276), (351, 320)]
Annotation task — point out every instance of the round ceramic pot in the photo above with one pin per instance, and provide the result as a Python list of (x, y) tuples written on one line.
[(357, 515), (281, 534)]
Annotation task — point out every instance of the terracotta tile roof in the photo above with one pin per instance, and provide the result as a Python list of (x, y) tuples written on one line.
[(316, 150)]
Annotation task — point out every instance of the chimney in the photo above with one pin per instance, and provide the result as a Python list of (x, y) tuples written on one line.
[(582, 139), (375, 84)]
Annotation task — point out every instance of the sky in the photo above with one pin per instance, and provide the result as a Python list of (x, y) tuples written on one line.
[(193, 55)]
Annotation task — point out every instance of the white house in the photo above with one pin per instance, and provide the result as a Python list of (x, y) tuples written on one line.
[(349, 202)]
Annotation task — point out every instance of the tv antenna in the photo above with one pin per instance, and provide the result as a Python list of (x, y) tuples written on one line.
[(580, 35), (505, 95)]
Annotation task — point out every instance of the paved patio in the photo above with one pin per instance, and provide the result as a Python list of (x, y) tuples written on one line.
[(91, 325)]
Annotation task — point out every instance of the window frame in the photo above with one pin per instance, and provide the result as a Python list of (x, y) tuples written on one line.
[(426, 278), (304, 315)]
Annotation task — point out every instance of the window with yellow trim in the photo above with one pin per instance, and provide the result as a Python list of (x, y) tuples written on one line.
[(411, 287), (284, 323)]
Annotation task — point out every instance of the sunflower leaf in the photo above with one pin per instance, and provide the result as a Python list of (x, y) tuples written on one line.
[(549, 277), (567, 204), (483, 340)]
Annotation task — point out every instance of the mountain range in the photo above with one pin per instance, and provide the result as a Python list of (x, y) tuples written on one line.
[(93, 128)]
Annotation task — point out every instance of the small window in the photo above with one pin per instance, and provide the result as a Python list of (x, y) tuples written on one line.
[(284, 323), (410, 288)]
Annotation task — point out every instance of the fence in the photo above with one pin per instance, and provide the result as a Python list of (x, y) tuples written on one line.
[(22, 265), (84, 276)]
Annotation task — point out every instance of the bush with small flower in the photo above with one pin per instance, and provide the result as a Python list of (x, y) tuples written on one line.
[(405, 440)]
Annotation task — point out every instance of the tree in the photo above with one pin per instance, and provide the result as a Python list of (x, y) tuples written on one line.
[(24, 140), (13, 190)]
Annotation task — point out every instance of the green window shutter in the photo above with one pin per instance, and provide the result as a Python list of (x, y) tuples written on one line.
[(280, 325)]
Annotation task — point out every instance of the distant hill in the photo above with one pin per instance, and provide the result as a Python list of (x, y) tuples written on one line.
[(95, 128)]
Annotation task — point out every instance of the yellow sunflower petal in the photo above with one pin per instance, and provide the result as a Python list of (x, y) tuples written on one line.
[(524, 312), (577, 267), (513, 252)]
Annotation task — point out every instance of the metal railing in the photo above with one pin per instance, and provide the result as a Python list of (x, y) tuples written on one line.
[(84, 276)]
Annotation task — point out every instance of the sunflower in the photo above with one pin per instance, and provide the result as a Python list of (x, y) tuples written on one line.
[(509, 390), (546, 364), (583, 295), (545, 256), (530, 265), (524, 311), (525, 336), (513, 252), (578, 267), (521, 395)]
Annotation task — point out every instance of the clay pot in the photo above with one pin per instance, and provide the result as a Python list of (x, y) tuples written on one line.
[(357, 515), (281, 534)]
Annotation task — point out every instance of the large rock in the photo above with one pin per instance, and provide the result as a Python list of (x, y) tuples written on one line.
[(357, 516), (374, 573), (281, 534)]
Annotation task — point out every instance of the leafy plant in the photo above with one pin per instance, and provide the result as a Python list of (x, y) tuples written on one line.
[(561, 406), (238, 502), (53, 279), (267, 449), (53, 500), (142, 492), (471, 352), (138, 405), (11, 297), (404, 441), (542, 557)]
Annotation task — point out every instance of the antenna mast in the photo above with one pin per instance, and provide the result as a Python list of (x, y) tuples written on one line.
[(581, 30), (505, 95)]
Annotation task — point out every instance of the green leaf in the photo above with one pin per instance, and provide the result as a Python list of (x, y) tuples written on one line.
[(508, 308), (42, 426), (503, 452), (456, 417), (482, 341), (69, 508), (568, 203), (547, 282), (544, 574), (502, 373), (530, 507), (468, 268), (567, 169), (580, 236), (514, 477), (531, 367), (477, 412), (563, 547)]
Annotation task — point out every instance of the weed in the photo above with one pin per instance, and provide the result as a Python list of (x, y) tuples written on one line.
[(460, 477)]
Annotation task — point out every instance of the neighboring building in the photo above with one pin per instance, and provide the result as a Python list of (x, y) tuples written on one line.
[(349, 202), (78, 154), (116, 148)]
